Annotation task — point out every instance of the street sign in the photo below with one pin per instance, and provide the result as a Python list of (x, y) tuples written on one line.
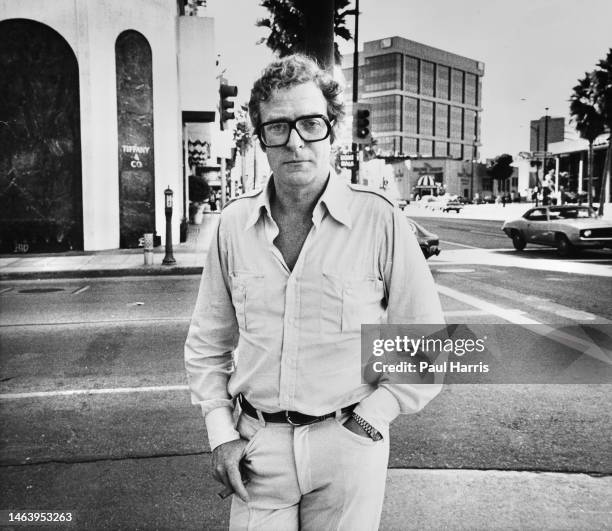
[(347, 160), (541, 154)]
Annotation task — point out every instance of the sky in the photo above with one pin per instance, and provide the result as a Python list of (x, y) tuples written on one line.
[(534, 50)]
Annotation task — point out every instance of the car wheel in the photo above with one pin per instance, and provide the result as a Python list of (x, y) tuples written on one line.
[(518, 241), (564, 247)]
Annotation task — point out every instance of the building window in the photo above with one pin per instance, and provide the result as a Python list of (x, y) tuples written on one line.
[(426, 148), (442, 120), (442, 82), (455, 150), (469, 126), (411, 74), (440, 149), (383, 72), (426, 118), (427, 78), (386, 113), (487, 184), (388, 145), (471, 84), (456, 123), (457, 85), (411, 116), (409, 147)]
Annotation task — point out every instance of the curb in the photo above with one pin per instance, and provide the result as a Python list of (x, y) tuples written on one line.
[(102, 273)]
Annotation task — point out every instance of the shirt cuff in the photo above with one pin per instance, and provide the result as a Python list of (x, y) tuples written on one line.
[(379, 409), (220, 427)]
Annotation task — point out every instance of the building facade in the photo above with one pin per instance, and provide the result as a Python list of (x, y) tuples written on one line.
[(425, 102), (96, 97), (545, 131)]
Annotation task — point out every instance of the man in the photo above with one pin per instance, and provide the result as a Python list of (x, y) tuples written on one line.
[(290, 276)]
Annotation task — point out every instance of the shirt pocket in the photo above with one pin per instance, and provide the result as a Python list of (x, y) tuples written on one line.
[(349, 301), (248, 298)]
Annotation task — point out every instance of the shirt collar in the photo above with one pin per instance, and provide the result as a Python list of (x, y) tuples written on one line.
[(335, 198), (262, 203)]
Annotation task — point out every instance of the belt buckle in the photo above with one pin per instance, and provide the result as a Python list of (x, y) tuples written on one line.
[(293, 423)]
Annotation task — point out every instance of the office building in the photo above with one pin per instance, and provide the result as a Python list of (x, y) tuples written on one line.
[(426, 102)]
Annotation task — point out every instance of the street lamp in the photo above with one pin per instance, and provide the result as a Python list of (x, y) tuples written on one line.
[(169, 258)]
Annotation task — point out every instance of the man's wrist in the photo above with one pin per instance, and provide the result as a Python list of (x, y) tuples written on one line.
[(372, 432)]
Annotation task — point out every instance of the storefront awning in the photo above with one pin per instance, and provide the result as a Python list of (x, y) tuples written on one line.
[(427, 181)]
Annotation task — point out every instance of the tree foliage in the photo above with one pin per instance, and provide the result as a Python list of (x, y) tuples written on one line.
[(287, 27), (500, 167), (591, 111)]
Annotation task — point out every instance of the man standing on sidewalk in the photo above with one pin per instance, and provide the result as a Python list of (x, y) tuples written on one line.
[(293, 272)]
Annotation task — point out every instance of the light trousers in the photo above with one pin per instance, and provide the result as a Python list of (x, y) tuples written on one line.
[(312, 478)]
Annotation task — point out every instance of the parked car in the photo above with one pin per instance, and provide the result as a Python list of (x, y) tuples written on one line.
[(453, 205), (428, 241), (567, 228)]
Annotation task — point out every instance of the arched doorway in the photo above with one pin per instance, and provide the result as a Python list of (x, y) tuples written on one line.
[(135, 134), (40, 140)]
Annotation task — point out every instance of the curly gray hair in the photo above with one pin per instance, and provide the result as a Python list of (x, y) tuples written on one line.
[(294, 70)]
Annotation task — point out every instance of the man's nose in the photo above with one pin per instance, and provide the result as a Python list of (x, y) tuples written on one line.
[(295, 140)]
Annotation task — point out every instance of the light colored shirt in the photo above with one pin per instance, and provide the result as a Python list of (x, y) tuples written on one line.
[(297, 333)]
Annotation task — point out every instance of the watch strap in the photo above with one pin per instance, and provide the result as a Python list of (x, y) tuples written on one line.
[(372, 432)]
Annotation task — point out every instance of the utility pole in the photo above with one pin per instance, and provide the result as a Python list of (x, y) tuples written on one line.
[(545, 143), (355, 169)]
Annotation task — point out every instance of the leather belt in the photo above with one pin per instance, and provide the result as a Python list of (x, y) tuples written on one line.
[(295, 418)]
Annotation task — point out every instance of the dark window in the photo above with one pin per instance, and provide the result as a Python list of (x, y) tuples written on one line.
[(411, 115), (456, 122), (383, 72), (469, 126), (457, 85), (442, 82), (441, 119), (386, 113), (427, 78), (411, 74), (471, 83), (426, 118)]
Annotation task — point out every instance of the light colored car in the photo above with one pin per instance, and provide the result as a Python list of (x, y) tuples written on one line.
[(568, 228)]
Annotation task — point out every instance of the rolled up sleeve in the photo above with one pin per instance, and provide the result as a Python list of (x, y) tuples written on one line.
[(212, 338), (412, 298)]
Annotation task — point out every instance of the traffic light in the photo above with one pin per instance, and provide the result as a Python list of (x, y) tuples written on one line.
[(226, 105), (361, 124)]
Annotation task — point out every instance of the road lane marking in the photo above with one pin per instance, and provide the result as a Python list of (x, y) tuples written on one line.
[(80, 290), (511, 315), (5, 290), (516, 317), (462, 313), (462, 245), (108, 391), (100, 321)]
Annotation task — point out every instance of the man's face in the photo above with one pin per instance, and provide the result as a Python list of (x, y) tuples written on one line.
[(298, 163)]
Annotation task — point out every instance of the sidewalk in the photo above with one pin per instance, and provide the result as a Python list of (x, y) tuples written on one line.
[(190, 254), (189, 258)]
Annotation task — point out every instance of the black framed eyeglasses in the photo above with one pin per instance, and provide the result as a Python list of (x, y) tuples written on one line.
[(311, 128)]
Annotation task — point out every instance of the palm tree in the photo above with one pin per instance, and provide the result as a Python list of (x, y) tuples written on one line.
[(601, 80), (288, 28), (588, 120)]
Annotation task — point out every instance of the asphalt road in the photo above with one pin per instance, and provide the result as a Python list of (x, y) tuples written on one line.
[(104, 450)]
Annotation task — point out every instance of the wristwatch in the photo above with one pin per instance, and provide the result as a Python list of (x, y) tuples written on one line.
[(372, 432)]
